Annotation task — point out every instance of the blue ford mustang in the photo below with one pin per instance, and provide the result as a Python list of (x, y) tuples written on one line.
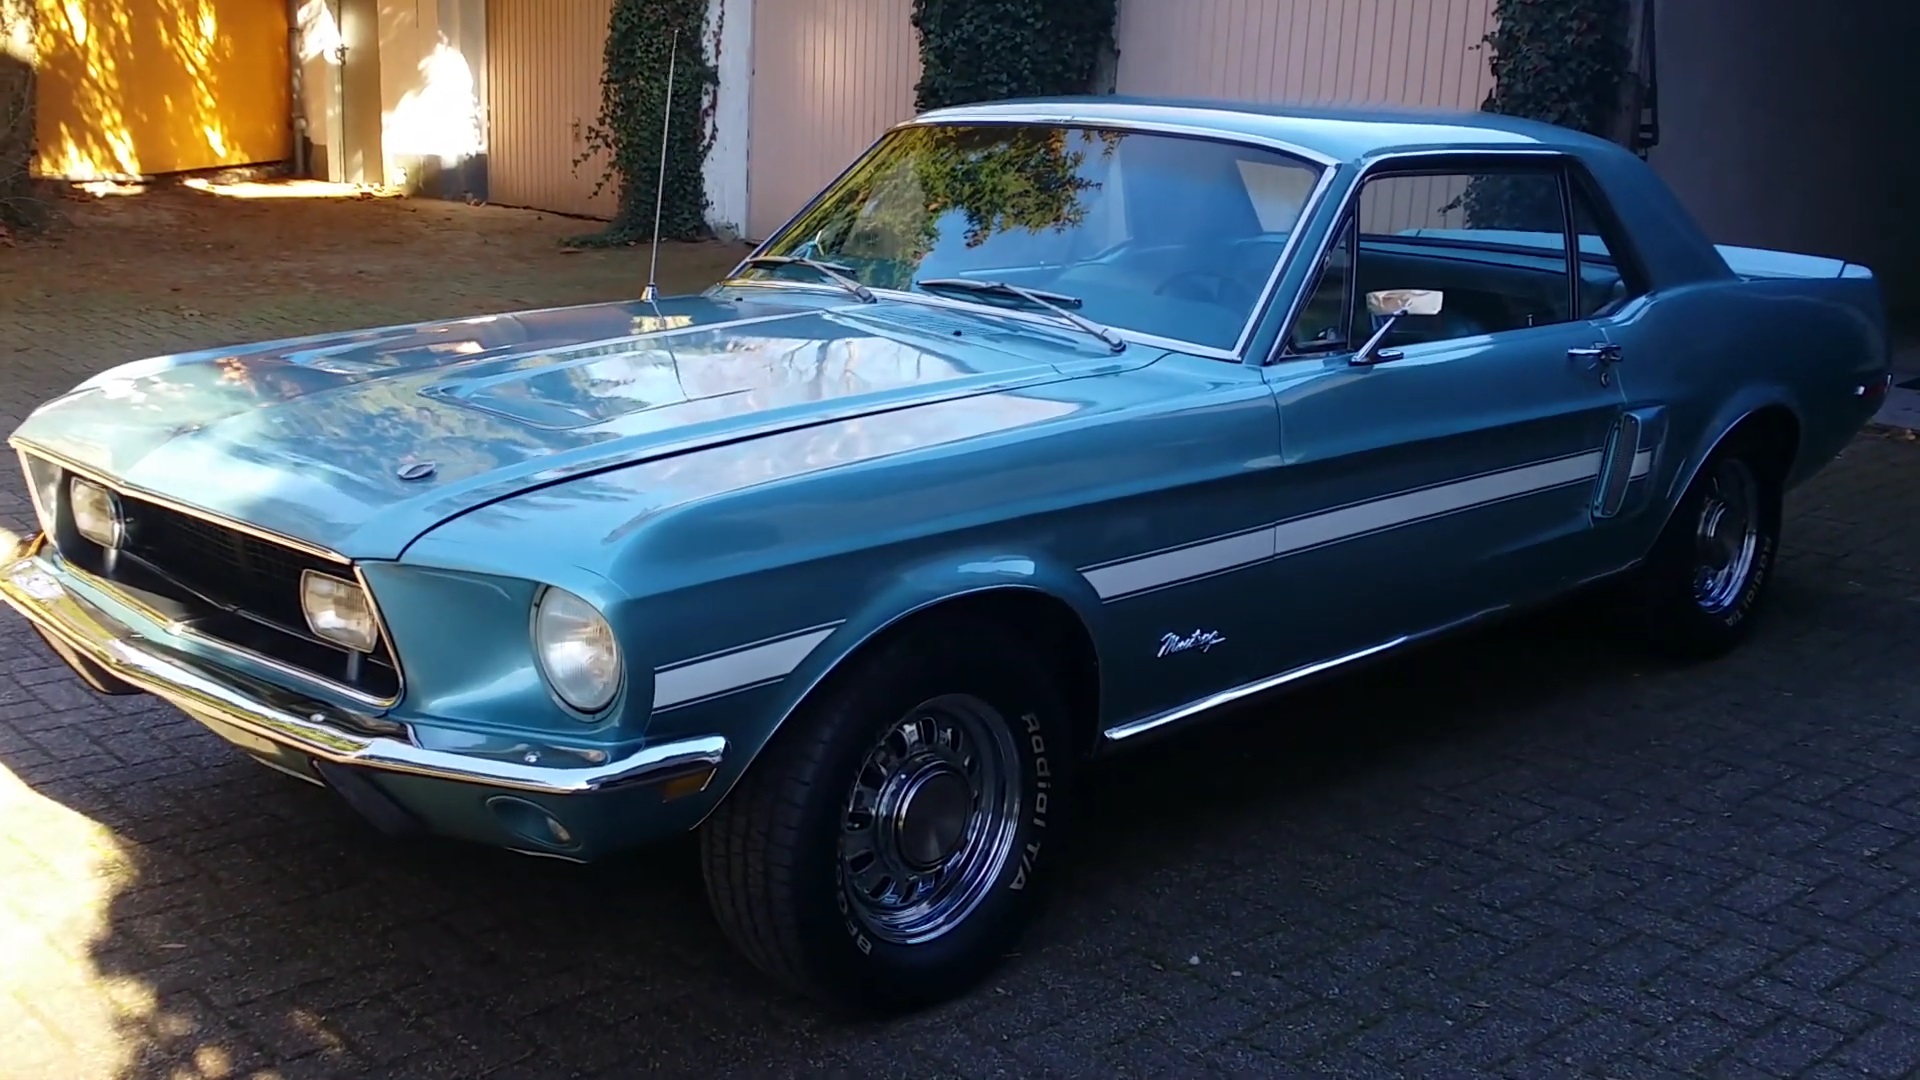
[(1047, 427)]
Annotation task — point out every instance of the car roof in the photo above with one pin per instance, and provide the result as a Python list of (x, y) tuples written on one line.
[(1332, 133)]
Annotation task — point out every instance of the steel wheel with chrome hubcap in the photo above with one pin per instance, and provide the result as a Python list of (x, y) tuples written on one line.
[(930, 819), (892, 841), (1704, 579), (1727, 535)]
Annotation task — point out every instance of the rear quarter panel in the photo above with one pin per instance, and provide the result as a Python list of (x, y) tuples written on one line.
[(1699, 358), (1706, 346)]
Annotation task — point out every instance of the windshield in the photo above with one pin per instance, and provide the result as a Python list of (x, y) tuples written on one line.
[(1158, 234)]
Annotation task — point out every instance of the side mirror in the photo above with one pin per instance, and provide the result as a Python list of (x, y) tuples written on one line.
[(1388, 305), (1394, 303)]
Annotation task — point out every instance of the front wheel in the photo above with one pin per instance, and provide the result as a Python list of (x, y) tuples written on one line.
[(1702, 585), (890, 844)]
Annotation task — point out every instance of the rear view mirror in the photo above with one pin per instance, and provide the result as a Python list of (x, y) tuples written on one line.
[(1396, 302)]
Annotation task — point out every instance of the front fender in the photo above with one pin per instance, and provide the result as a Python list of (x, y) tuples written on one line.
[(918, 589)]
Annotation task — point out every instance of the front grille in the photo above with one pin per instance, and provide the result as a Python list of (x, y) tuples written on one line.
[(225, 585), (230, 568)]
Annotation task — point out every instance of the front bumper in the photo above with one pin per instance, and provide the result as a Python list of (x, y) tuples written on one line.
[(340, 748)]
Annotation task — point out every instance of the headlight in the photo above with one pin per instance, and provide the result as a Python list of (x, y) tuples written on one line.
[(96, 512), (576, 650), (338, 610)]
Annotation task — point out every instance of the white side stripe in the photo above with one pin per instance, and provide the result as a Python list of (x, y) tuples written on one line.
[(725, 673), (1161, 569), (1302, 533), (763, 662), (1182, 564)]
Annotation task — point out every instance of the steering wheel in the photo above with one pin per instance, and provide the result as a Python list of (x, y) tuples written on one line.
[(1225, 290)]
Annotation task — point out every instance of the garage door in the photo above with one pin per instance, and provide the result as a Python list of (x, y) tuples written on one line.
[(544, 59), (155, 86), (1406, 52), (829, 76)]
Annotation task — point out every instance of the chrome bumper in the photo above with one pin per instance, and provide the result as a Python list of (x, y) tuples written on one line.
[(85, 635)]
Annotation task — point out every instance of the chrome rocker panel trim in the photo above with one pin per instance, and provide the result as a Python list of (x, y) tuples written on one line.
[(31, 585)]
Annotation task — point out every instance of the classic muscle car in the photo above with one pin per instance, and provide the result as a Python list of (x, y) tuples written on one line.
[(1046, 428)]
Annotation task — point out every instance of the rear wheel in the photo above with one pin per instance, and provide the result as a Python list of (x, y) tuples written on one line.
[(1701, 588), (891, 843)]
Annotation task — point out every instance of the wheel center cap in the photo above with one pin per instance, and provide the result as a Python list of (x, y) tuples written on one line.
[(932, 817)]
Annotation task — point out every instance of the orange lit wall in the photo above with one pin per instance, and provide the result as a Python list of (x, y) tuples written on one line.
[(158, 86)]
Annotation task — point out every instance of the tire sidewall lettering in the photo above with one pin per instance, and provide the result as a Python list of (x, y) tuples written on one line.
[(1750, 595), (1039, 788)]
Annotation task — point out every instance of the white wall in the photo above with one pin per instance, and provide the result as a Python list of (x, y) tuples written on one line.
[(729, 40)]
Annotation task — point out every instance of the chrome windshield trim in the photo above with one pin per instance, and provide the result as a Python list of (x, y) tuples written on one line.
[(1132, 337), (32, 586), (1328, 166), (1368, 166), (1057, 114)]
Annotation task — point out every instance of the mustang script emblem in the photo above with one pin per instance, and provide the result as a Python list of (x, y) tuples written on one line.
[(1204, 640)]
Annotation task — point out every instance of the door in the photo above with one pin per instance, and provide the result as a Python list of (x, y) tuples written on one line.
[(1442, 464), (154, 86), (543, 93), (829, 77)]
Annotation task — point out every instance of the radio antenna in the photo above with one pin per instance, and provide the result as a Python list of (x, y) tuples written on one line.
[(652, 292)]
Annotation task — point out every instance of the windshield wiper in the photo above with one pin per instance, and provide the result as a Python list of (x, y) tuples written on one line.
[(833, 272), (1052, 301)]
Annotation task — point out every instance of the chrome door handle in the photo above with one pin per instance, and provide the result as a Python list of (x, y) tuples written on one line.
[(1607, 353)]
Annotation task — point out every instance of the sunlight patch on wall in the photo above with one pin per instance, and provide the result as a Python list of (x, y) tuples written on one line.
[(133, 87), (16, 32), (319, 33), (440, 116)]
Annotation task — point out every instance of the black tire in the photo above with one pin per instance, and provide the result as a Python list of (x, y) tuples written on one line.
[(1669, 610), (771, 852)]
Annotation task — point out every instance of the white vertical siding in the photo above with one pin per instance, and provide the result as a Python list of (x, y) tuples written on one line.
[(1421, 53), (829, 76), (543, 93), (1310, 52)]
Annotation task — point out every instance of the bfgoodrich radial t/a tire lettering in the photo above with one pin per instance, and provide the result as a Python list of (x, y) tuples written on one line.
[(891, 843)]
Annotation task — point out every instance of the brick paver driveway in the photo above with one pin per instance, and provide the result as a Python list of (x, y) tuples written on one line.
[(1527, 853)]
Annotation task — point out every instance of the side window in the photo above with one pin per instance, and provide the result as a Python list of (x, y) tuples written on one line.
[(1493, 244), (1605, 284)]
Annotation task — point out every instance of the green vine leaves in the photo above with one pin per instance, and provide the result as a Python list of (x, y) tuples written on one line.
[(633, 85), (1557, 61), (990, 50)]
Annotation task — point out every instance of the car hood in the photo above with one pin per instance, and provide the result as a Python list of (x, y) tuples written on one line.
[(360, 442)]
